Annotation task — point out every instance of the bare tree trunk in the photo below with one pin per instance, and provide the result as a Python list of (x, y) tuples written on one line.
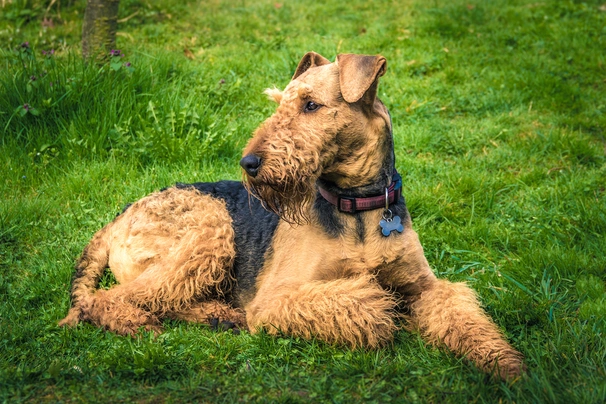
[(99, 28)]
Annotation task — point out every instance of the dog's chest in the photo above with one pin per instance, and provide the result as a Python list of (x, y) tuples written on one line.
[(306, 253), (360, 258)]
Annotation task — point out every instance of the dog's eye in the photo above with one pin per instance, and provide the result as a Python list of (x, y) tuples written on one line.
[(311, 106)]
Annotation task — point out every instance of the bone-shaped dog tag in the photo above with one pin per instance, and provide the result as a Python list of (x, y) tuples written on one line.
[(389, 225)]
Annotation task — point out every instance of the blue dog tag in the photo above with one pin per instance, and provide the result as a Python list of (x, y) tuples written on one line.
[(391, 224)]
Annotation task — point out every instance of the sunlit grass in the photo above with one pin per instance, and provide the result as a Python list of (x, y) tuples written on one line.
[(499, 117)]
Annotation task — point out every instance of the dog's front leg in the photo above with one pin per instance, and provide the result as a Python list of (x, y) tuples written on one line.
[(448, 313), (351, 311)]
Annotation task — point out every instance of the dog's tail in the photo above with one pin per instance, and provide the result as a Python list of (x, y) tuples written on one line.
[(89, 270)]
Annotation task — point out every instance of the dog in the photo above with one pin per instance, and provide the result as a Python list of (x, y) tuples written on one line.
[(316, 242)]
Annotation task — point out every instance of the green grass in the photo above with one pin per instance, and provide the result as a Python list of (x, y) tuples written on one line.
[(499, 113)]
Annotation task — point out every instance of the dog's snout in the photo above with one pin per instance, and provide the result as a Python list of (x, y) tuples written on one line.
[(251, 163)]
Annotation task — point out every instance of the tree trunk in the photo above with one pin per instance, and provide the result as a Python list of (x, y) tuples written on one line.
[(99, 28)]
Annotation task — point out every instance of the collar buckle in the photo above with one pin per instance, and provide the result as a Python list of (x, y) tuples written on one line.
[(342, 208)]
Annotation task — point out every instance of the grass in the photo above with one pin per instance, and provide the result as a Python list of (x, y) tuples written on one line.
[(499, 113)]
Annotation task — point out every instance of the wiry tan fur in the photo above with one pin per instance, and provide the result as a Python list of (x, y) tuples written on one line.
[(168, 251), (294, 150), (274, 94), (448, 314), (354, 311), (172, 252)]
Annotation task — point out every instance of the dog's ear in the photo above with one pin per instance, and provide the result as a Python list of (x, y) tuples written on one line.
[(358, 76), (310, 59)]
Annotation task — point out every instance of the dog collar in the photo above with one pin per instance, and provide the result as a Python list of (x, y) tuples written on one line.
[(349, 204)]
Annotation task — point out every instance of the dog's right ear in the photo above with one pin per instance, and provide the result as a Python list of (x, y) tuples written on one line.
[(310, 59), (359, 76)]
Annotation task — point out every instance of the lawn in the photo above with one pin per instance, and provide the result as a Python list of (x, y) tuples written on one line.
[(499, 111)]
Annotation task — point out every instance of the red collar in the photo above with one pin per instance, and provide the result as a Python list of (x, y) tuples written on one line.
[(350, 204)]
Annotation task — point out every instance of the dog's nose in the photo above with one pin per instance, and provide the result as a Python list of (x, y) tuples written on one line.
[(251, 163)]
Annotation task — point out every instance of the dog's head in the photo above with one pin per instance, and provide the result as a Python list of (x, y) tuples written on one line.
[(329, 124)]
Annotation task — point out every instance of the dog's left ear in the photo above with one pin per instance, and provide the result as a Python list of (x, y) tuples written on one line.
[(358, 76), (310, 59)]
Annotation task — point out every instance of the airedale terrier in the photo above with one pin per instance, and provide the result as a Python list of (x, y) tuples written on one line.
[(316, 243)]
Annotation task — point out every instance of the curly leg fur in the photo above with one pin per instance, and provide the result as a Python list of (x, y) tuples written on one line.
[(355, 312), (450, 314), (105, 309)]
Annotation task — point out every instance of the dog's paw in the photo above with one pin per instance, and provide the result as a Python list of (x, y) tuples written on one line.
[(511, 369), (134, 328), (156, 329), (508, 366), (72, 319), (224, 325)]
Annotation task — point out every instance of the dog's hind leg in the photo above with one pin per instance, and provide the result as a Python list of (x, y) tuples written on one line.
[(351, 311), (170, 290), (110, 311), (167, 251)]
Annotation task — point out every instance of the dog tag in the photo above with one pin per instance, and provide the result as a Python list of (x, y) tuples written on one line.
[(391, 223)]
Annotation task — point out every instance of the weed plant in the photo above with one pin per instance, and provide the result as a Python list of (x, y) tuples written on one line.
[(499, 123)]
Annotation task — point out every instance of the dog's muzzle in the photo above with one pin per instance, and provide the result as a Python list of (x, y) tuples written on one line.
[(251, 163)]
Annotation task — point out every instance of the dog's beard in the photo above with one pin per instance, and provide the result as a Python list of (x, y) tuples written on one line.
[(289, 196), (286, 180)]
